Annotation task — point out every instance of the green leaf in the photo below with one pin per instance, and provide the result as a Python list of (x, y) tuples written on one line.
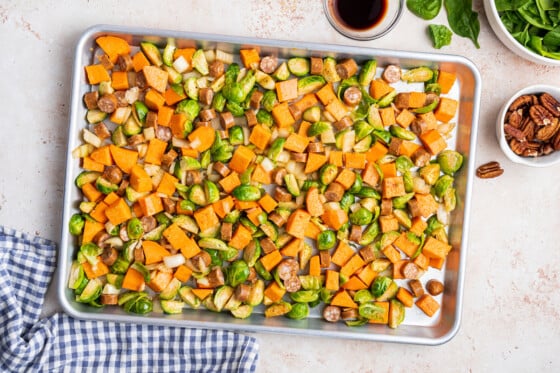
[(440, 34), (462, 19), (425, 9)]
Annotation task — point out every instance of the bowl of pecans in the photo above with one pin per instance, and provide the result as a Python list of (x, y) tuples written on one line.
[(528, 126)]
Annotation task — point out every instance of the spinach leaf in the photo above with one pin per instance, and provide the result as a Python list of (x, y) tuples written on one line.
[(462, 19), (440, 34), (425, 9), (552, 38)]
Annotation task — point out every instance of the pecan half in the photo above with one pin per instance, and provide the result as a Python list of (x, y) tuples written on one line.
[(556, 141), (517, 146), (550, 103), (540, 115), (545, 133), (489, 170), (516, 133), (528, 128), (515, 118), (520, 102)]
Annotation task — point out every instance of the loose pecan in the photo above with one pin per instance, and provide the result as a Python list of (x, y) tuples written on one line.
[(520, 102), (540, 115), (489, 170), (550, 103)]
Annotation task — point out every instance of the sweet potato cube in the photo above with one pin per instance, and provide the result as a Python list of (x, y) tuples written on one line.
[(91, 228), (133, 280), (154, 252), (139, 60), (182, 273), (342, 254), (337, 109), (260, 136), (335, 219), (230, 182), (97, 270), (388, 223), (241, 237), (408, 148), (282, 115), (428, 304), (355, 160), (434, 248), (404, 118), (97, 74), (335, 157), (250, 58), (354, 283), (391, 253), (167, 184), (155, 78), (423, 205), (296, 143), (446, 80), (379, 88), (151, 204), (343, 299), (433, 141), (346, 177), (376, 151), (267, 203), (312, 230), (274, 292), (446, 109), (156, 149), (416, 99), (297, 223), (388, 116), (315, 266), (160, 280), (405, 245), (405, 297), (352, 265), (271, 260), (140, 180), (332, 280), (393, 187), (123, 158), (326, 94), (154, 100), (206, 218), (314, 162), (287, 90), (118, 212), (241, 159), (119, 80), (418, 226)]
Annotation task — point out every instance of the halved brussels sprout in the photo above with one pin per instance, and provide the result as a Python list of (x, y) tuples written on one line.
[(362, 216), (326, 240), (450, 161), (237, 273), (299, 311)]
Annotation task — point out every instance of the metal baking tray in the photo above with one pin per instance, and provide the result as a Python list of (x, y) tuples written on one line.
[(417, 328)]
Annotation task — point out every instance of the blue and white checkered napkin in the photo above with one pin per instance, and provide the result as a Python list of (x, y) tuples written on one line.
[(61, 343)]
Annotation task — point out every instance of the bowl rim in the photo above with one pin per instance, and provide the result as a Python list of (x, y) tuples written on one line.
[(544, 161), (520, 49), (357, 35)]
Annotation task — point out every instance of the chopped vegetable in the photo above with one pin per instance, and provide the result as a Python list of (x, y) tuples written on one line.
[(280, 189)]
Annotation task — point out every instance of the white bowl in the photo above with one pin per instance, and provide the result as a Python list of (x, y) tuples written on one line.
[(509, 41), (541, 161)]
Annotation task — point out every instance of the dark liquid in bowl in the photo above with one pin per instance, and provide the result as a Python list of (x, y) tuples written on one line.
[(360, 14)]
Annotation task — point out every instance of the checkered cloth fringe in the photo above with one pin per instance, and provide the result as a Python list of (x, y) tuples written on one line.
[(63, 344)]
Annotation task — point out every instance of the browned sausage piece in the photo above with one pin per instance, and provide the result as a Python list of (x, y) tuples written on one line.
[(221, 168), (267, 245), (124, 62), (282, 195), (193, 177), (268, 64), (334, 192), (107, 103), (121, 98), (122, 188), (367, 253), (151, 119), (391, 74), (207, 115), (109, 299), (242, 292), (140, 82), (215, 277), (148, 223), (226, 231), (419, 126), (402, 100), (201, 123), (395, 146), (416, 287), (287, 268), (324, 259), (292, 284), (411, 271), (278, 175), (316, 66), (200, 261), (90, 100), (163, 133), (299, 157), (421, 157), (251, 118), (355, 233), (345, 122), (136, 139), (296, 112), (227, 120), (434, 287), (352, 96), (168, 158), (205, 96), (252, 274), (386, 206), (132, 77), (101, 131), (216, 69), (331, 313), (139, 255), (112, 174), (169, 205), (315, 147), (255, 100), (346, 68), (109, 256), (277, 219), (349, 314), (100, 238), (106, 62)]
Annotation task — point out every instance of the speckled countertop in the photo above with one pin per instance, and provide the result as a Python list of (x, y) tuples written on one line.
[(511, 317)]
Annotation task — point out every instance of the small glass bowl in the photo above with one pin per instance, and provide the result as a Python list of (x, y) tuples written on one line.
[(392, 15)]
